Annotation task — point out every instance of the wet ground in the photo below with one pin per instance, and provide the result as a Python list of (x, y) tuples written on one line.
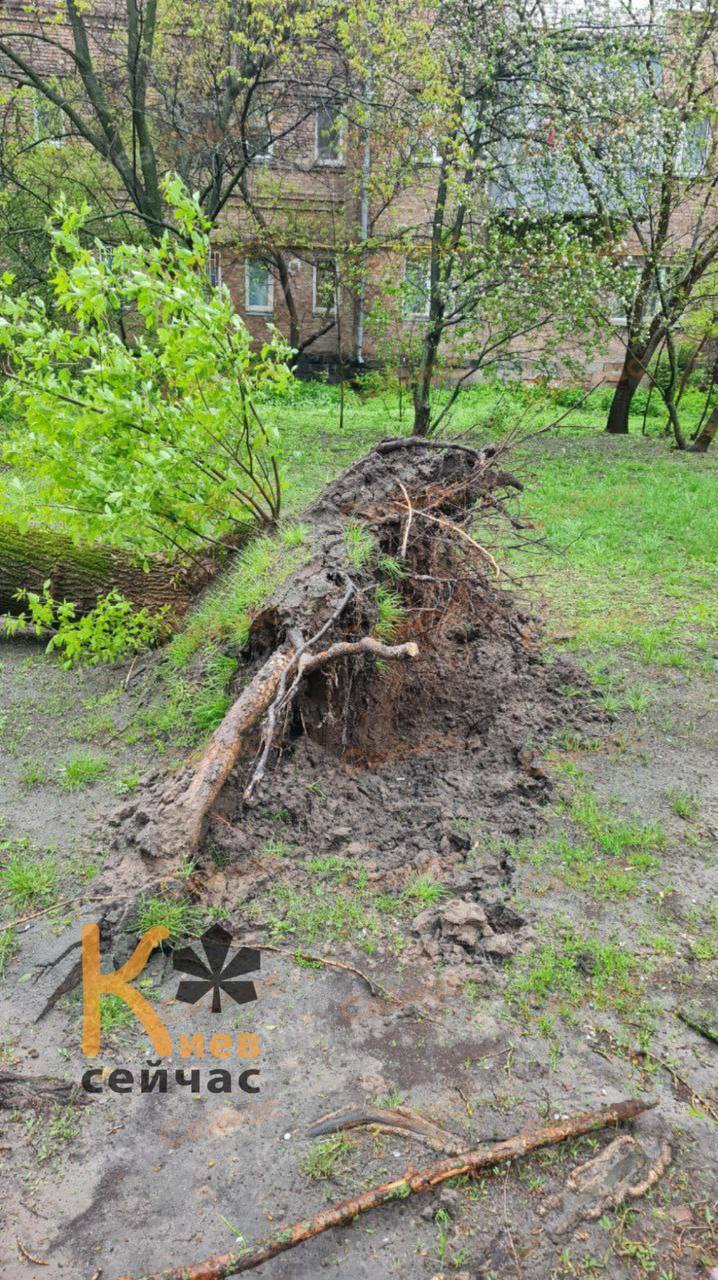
[(615, 879)]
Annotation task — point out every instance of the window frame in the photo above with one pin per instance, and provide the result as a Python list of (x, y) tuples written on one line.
[(260, 157), (214, 257), (249, 309), (40, 100), (330, 313), (330, 162), (409, 315)]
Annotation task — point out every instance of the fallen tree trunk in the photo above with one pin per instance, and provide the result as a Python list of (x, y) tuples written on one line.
[(32, 557), (317, 644), (231, 1264), (80, 574)]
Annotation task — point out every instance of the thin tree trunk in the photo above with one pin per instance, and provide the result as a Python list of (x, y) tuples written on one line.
[(422, 387), (626, 387), (703, 441)]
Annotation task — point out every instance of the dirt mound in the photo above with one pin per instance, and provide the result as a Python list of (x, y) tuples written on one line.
[(436, 755), (393, 761)]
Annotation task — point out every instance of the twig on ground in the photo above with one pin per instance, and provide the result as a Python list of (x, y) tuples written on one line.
[(413, 1181), (375, 988), (64, 902), (396, 1120), (25, 1255)]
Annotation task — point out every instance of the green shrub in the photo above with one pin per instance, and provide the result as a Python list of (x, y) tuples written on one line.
[(111, 631)]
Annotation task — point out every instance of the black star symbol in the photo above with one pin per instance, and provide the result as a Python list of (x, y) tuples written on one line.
[(216, 975)]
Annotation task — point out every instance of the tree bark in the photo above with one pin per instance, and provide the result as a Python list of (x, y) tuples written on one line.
[(81, 574), (704, 439), (626, 387)]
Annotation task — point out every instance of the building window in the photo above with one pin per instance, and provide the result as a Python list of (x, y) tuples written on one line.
[(325, 287), (329, 140), (258, 133), (694, 148), (417, 289), (214, 268), (49, 120), (259, 287)]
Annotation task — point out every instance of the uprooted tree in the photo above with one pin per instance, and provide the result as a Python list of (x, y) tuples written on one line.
[(133, 403), (393, 565)]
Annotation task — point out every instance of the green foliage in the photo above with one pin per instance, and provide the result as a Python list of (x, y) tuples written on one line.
[(328, 1158), (109, 632), (424, 891), (360, 544), (59, 1128), (390, 613), (82, 771), (25, 880), (152, 441), (572, 967), (8, 947), (181, 917), (683, 803), (224, 615)]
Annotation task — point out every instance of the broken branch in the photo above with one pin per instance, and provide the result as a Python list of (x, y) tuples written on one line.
[(230, 1264)]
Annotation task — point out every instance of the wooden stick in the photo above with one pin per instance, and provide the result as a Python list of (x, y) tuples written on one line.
[(231, 1264), (64, 902), (375, 988)]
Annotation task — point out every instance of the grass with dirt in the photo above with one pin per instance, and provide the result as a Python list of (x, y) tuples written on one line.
[(620, 883)]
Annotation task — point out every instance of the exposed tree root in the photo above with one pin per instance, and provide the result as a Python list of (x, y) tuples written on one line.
[(415, 502), (399, 1120), (230, 1264)]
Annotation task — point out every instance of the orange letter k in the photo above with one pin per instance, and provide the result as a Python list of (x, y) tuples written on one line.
[(95, 984)]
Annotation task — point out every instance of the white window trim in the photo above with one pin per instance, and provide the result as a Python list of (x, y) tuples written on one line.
[(257, 311), (328, 162), (329, 312), (214, 257), (419, 315), (264, 157), (37, 130)]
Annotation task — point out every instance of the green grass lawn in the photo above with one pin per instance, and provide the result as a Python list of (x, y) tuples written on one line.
[(629, 563), (631, 560)]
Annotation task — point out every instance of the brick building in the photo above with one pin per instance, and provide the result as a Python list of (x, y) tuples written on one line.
[(301, 238)]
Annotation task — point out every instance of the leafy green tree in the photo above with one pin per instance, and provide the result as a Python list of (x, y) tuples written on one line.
[(632, 116), (137, 395), (470, 283)]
